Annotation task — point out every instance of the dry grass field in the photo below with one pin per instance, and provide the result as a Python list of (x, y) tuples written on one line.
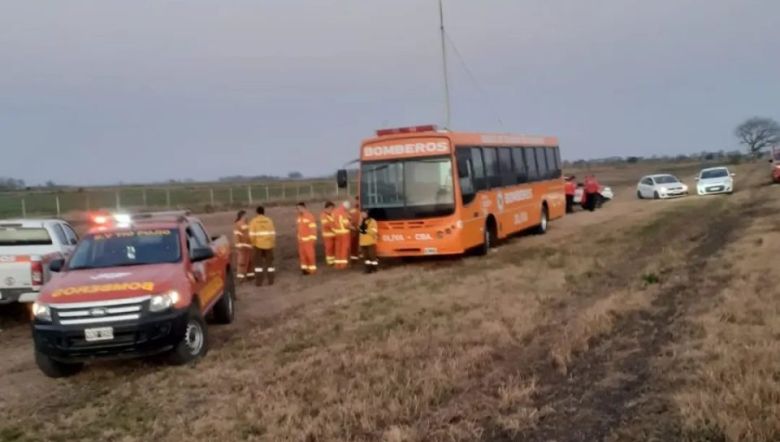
[(646, 320)]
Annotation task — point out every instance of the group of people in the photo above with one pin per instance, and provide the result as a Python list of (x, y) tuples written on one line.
[(590, 194), (348, 234)]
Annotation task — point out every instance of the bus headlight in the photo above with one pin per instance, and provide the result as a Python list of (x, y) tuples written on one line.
[(42, 312), (163, 302)]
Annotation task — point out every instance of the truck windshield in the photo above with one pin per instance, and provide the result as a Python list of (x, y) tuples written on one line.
[(408, 189), (11, 235), (126, 248)]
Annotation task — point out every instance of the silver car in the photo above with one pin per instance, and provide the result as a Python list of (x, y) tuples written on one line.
[(714, 180)]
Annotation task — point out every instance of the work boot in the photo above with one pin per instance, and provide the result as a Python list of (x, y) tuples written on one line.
[(271, 278), (258, 279)]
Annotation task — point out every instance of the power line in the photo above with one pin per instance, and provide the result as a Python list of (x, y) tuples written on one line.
[(474, 81)]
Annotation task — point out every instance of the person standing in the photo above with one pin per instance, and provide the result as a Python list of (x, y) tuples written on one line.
[(342, 228), (354, 215), (571, 188), (369, 235), (263, 235), (307, 238), (592, 189), (243, 247), (328, 236)]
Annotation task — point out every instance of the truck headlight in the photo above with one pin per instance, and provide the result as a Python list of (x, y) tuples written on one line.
[(162, 302), (42, 312)]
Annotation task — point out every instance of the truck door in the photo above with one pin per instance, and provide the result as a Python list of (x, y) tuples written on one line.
[(210, 274)]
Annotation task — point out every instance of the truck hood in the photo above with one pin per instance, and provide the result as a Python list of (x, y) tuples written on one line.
[(112, 283)]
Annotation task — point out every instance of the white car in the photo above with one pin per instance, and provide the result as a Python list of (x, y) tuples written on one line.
[(715, 180), (26, 248), (660, 186)]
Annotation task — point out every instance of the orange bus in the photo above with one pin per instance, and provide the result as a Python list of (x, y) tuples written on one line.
[(445, 193)]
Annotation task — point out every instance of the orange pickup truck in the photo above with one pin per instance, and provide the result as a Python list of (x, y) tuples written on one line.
[(134, 286)]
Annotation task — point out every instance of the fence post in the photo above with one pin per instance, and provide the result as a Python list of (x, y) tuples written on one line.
[(298, 192), (86, 202), (167, 197), (24, 208), (311, 191), (249, 194), (284, 192), (267, 193), (118, 201), (211, 196), (230, 195), (143, 196), (57, 200), (337, 191)]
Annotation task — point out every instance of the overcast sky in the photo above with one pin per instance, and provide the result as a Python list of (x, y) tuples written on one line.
[(103, 91)]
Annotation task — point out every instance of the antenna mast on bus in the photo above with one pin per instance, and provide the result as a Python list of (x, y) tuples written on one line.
[(444, 65)]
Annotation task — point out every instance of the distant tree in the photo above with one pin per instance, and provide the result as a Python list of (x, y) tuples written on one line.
[(758, 133), (294, 175), (50, 184), (709, 156), (632, 160)]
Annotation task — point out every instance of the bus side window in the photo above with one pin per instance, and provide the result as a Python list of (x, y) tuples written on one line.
[(490, 155), (530, 160), (552, 162), (541, 162), (521, 174), (478, 169), (465, 175), (508, 176)]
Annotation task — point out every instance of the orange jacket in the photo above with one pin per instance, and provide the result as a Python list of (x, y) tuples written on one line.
[(342, 221), (592, 185), (570, 187), (241, 234), (307, 227), (354, 216), (327, 222)]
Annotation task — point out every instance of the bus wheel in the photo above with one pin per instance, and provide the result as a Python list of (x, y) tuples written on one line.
[(488, 237), (544, 219)]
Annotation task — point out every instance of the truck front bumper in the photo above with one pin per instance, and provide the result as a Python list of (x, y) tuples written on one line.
[(154, 334)]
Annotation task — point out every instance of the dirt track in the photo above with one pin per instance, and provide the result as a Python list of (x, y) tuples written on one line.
[(570, 336)]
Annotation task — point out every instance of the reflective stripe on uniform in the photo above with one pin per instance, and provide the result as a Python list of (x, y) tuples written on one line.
[(271, 233), (308, 238), (271, 269), (259, 269)]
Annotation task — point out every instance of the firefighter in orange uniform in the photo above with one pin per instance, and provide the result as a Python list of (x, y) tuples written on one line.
[(592, 189), (570, 188), (263, 235), (243, 247), (342, 227), (369, 234), (307, 238), (354, 217), (328, 236)]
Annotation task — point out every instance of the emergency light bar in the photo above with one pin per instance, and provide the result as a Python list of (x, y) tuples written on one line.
[(104, 219), (407, 130)]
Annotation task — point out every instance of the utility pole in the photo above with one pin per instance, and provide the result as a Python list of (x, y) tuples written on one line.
[(447, 116)]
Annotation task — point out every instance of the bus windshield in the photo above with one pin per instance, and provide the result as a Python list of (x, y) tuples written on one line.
[(126, 248), (408, 189)]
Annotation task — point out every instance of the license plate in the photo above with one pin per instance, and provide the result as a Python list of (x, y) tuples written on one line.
[(430, 251), (99, 334)]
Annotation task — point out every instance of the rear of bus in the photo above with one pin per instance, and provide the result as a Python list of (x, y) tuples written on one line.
[(407, 185)]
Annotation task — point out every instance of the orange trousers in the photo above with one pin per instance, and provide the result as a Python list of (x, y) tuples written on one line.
[(343, 243), (244, 267), (307, 256), (330, 249)]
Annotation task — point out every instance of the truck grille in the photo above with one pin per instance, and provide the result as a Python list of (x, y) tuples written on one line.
[(87, 313)]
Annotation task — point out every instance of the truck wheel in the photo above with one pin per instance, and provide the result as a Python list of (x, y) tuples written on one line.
[(193, 344), (224, 310), (656, 196), (56, 369), (639, 195), (541, 229)]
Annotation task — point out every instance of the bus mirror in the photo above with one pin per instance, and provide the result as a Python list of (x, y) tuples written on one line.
[(341, 178)]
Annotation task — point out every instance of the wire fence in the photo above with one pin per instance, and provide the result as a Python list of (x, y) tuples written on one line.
[(200, 198)]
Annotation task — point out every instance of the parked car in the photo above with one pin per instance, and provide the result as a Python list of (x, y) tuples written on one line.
[(26, 248), (714, 180), (660, 186)]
